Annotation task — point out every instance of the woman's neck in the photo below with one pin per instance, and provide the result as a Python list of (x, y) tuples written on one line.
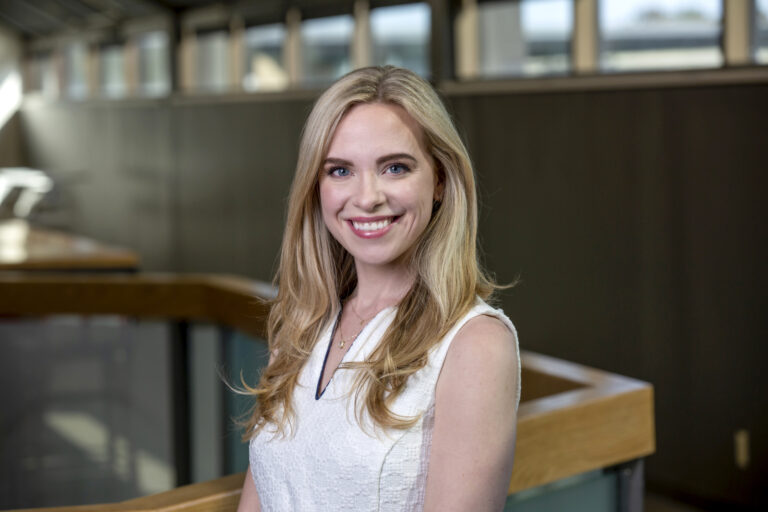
[(379, 287)]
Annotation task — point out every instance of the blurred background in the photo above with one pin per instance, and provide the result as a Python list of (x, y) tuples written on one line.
[(620, 148)]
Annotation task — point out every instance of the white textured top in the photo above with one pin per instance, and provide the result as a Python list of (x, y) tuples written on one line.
[(330, 462)]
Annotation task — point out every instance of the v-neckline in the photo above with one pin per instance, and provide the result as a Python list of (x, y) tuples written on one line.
[(354, 346), (318, 393)]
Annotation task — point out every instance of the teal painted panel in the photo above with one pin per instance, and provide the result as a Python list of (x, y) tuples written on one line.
[(595, 491), (247, 356)]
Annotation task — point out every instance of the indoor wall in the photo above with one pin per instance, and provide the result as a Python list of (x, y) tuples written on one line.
[(631, 216)]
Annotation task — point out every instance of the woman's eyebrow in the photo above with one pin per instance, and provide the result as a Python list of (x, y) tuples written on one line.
[(395, 156), (385, 158), (337, 161)]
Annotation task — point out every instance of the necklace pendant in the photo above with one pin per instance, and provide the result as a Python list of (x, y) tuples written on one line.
[(341, 343)]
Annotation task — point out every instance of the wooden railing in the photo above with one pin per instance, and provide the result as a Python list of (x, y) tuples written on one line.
[(571, 419)]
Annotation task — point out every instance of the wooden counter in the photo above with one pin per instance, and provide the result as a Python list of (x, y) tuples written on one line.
[(23, 247), (572, 419)]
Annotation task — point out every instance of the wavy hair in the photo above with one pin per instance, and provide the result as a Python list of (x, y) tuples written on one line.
[(315, 272)]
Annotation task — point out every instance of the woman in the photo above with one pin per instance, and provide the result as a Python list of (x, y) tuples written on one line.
[(363, 406)]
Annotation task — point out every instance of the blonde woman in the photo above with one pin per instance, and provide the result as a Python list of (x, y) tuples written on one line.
[(392, 385)]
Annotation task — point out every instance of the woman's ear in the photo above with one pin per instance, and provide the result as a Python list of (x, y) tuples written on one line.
[(439, 184)]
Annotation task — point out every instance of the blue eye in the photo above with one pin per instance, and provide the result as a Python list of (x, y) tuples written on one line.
[(339, 172), (397, 169)]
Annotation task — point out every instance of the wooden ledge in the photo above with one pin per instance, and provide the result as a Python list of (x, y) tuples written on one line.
[(24, 247), (573, 419), (229, 300), (220, 495)]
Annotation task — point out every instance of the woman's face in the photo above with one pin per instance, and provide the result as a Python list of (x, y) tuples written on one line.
[(377, 184)]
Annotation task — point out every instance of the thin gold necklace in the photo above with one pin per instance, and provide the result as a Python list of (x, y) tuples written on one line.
[(342, 340)]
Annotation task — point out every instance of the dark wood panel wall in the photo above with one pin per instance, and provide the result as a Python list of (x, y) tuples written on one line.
[(636, 224), (634, 219)]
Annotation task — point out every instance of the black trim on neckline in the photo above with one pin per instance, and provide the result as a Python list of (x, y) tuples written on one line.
[(318, 393)]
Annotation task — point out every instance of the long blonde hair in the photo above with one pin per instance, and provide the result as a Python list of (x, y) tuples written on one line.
[(315, 271)]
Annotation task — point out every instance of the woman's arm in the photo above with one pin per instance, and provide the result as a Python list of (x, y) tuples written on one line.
[(249, 498), (473, 441)]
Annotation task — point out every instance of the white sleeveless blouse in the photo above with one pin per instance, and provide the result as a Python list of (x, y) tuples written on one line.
[(331, 463)]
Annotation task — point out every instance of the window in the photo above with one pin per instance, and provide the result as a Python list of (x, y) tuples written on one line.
[(112, 71), (213, 61), (76, 65), (400, 36), (660, 34), (529, 37), (42, 74), (326, 48), (264, 63), (761, 31), (154, 64)]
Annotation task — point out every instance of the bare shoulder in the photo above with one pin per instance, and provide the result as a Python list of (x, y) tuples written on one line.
[(487, 341), (482, 357)]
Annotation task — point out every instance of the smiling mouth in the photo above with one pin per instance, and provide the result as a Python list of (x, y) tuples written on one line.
[(372, 228)]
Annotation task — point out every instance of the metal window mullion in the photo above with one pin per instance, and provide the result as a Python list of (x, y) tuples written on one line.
[(187, 67), (737, 30), (59, 66), (361, 40), (93, 71), (292, 51), (442, 61), (236, 53), (586, 35), (131, 66), (467, 40)]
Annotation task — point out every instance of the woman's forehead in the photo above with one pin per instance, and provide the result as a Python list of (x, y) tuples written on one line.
[(376, 127)]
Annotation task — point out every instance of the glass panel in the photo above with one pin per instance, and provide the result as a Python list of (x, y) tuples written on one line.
[(264, 63), (660, 34), (326, 47), (213, 61), (154, 64), (76, 61), (761, 31), (246, 356), (400, 36), (88, 421), (531, 37), (112, 70)]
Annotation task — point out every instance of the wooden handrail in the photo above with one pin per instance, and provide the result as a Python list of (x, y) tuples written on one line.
[(234, 301), (219, 495), (571, 419)]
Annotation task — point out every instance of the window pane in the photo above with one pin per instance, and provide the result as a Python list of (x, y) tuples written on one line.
[(112, 71), (530, 37), (660, 34), (213, 61), (76, 62), (264, 63), (154, 64), (400, 36), (42, 75), (761, 31), (326, 46)]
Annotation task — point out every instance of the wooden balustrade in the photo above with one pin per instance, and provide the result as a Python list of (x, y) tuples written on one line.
[(571, 419)]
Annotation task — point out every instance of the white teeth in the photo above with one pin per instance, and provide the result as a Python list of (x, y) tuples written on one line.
[(371, 226)]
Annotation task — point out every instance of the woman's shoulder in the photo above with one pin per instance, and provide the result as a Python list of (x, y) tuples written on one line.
[(484, 322), (486, 339), (484, 351)]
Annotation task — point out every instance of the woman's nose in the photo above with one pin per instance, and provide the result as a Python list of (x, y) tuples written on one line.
[(369, 193)]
